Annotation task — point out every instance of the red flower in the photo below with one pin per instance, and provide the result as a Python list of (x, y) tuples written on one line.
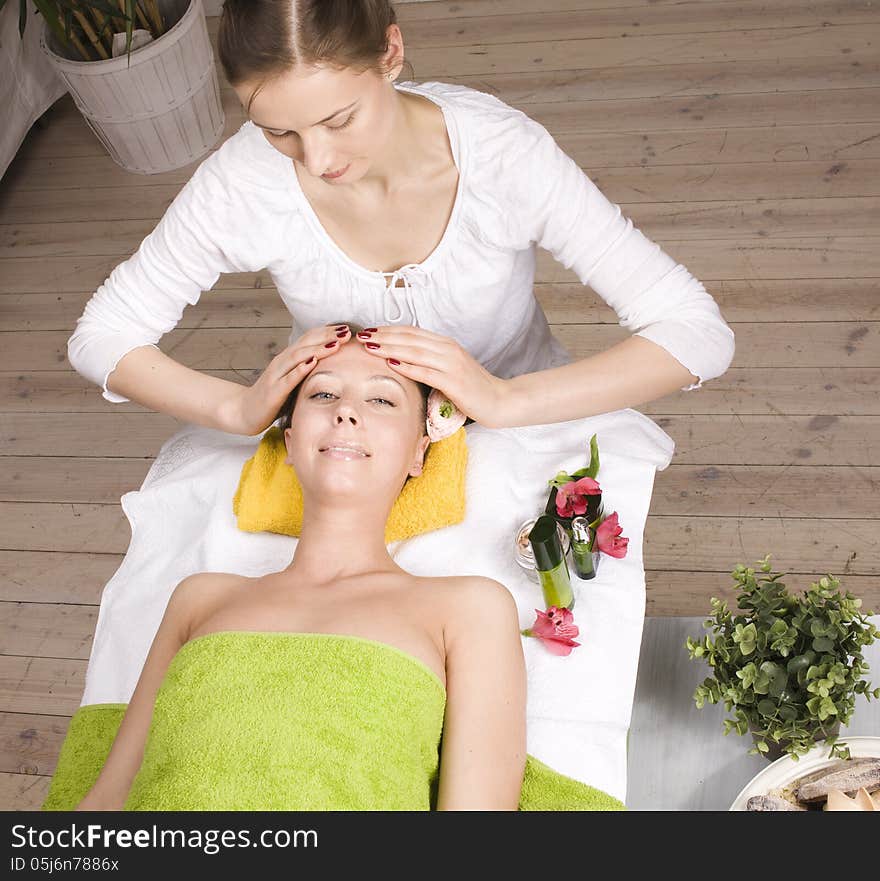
[(608, 537), (556, 629), (571, 497)]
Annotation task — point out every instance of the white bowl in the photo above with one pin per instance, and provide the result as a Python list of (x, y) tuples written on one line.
[(785, 770)]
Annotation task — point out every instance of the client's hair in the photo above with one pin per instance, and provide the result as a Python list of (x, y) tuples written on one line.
[(285, 414)]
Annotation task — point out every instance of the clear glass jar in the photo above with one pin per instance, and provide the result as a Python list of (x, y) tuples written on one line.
[(522, 549)]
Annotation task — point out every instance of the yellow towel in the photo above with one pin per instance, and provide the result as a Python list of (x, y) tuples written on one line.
[(269, 497)]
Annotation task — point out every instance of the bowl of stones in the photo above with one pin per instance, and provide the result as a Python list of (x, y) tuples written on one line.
[(818, 782)]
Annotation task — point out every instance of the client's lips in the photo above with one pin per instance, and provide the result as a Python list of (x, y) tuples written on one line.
[(344, 451)]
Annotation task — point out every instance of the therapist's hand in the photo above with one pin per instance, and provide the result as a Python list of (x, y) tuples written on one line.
[(254, 408), (440, 362)]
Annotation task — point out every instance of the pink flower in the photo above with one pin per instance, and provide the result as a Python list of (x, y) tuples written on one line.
[(571, 498), (556, 629), (444, 418), (608, 537)]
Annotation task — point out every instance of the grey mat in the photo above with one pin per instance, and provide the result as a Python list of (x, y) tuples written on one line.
[(679, 758)]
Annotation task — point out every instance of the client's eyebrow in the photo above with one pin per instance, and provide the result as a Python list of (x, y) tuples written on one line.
[(378, 376), (325, 119)]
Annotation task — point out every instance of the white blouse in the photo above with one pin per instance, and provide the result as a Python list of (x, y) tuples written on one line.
[(243, 210)]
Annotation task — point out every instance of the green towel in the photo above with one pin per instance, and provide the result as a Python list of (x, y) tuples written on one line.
[(290, 721)]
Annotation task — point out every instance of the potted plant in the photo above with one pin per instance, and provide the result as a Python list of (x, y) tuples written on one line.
[(790, 666), (141, 72)]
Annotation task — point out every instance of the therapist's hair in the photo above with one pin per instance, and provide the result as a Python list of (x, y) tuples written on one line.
[(261, 39), (285, 414)]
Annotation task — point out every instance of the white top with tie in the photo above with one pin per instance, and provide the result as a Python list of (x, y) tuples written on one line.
[(243, 210)]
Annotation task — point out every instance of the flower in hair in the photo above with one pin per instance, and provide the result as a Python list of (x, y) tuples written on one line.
[(444, 418)]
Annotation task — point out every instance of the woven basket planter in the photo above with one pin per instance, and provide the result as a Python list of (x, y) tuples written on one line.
[(163, 110)]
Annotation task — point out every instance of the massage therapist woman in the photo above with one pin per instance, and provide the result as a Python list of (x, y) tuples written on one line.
[(413, 209)]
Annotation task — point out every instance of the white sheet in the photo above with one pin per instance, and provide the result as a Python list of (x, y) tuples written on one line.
[(29, 84), (579, 706)]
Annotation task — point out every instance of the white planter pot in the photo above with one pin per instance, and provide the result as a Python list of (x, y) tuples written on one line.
[(161, 112)]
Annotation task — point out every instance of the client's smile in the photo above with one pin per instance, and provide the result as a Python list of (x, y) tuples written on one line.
[(345, 451)]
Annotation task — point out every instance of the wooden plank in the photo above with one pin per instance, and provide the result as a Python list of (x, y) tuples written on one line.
[(30, 743), (67, 391), (99, 529), (132, 435), (592, 150), (83, 481), (703, 544), (23, 792), (540, 24), (696, 543), (50, 686), (748, 258), (694, 490), (693, 181), (632, 113), (688, 594), (622, 52), (699, 439), (662, 221), (757, 300), (797, 391), (55, 577), (47, 630), (843, 74), (784, 344)]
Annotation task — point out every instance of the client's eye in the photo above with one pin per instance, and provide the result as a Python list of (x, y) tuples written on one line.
[(390, 403), (344, 124), (318, 395)]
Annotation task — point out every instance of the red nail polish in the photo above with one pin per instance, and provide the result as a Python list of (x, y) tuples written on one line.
[(394, 361), (342, 327), (330, 345), (363, 335), (309, 360), (341, 334), (372, 345), (371, 329)]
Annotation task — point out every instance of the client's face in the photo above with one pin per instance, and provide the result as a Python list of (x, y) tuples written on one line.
[(356, 427)]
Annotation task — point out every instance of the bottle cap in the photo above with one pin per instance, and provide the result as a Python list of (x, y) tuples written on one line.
[(546, 547), (580, 529)]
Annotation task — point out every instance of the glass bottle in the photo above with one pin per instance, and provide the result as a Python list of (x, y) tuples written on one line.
[(582, 538), (550, 564)]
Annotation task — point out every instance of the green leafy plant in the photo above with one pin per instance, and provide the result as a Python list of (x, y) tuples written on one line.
[(790, 666), (86, 27)]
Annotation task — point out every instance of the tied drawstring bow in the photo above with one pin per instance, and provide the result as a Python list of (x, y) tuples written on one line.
[(412, 275)]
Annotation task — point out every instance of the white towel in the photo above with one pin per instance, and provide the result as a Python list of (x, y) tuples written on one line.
[(579, 706)]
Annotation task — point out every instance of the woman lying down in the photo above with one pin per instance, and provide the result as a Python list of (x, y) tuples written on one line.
[(341, 682)]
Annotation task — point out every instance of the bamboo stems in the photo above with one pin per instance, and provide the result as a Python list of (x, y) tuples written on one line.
[(156, 16), (90, 33)]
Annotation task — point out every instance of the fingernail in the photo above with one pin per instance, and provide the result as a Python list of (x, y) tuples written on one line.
[(341, 334), (371, 329), (309, 360), (363, 335), (372, 345), (330, 345), (394, 361)]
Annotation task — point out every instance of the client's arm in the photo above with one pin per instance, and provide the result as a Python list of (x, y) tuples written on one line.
[(109, 791), (484, 733)]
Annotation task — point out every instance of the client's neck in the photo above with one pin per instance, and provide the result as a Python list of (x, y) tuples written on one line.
[(340, 542)]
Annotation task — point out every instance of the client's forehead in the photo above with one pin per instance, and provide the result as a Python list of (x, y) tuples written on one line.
[(354, 363)]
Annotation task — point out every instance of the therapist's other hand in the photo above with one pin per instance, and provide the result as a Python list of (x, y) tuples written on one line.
[(440, 362), (254, 408)]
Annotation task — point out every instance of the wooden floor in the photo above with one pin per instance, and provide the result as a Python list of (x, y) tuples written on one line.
[(744, 137)]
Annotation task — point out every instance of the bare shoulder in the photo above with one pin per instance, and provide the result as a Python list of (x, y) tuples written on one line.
[(198, 594), (479, 604)]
